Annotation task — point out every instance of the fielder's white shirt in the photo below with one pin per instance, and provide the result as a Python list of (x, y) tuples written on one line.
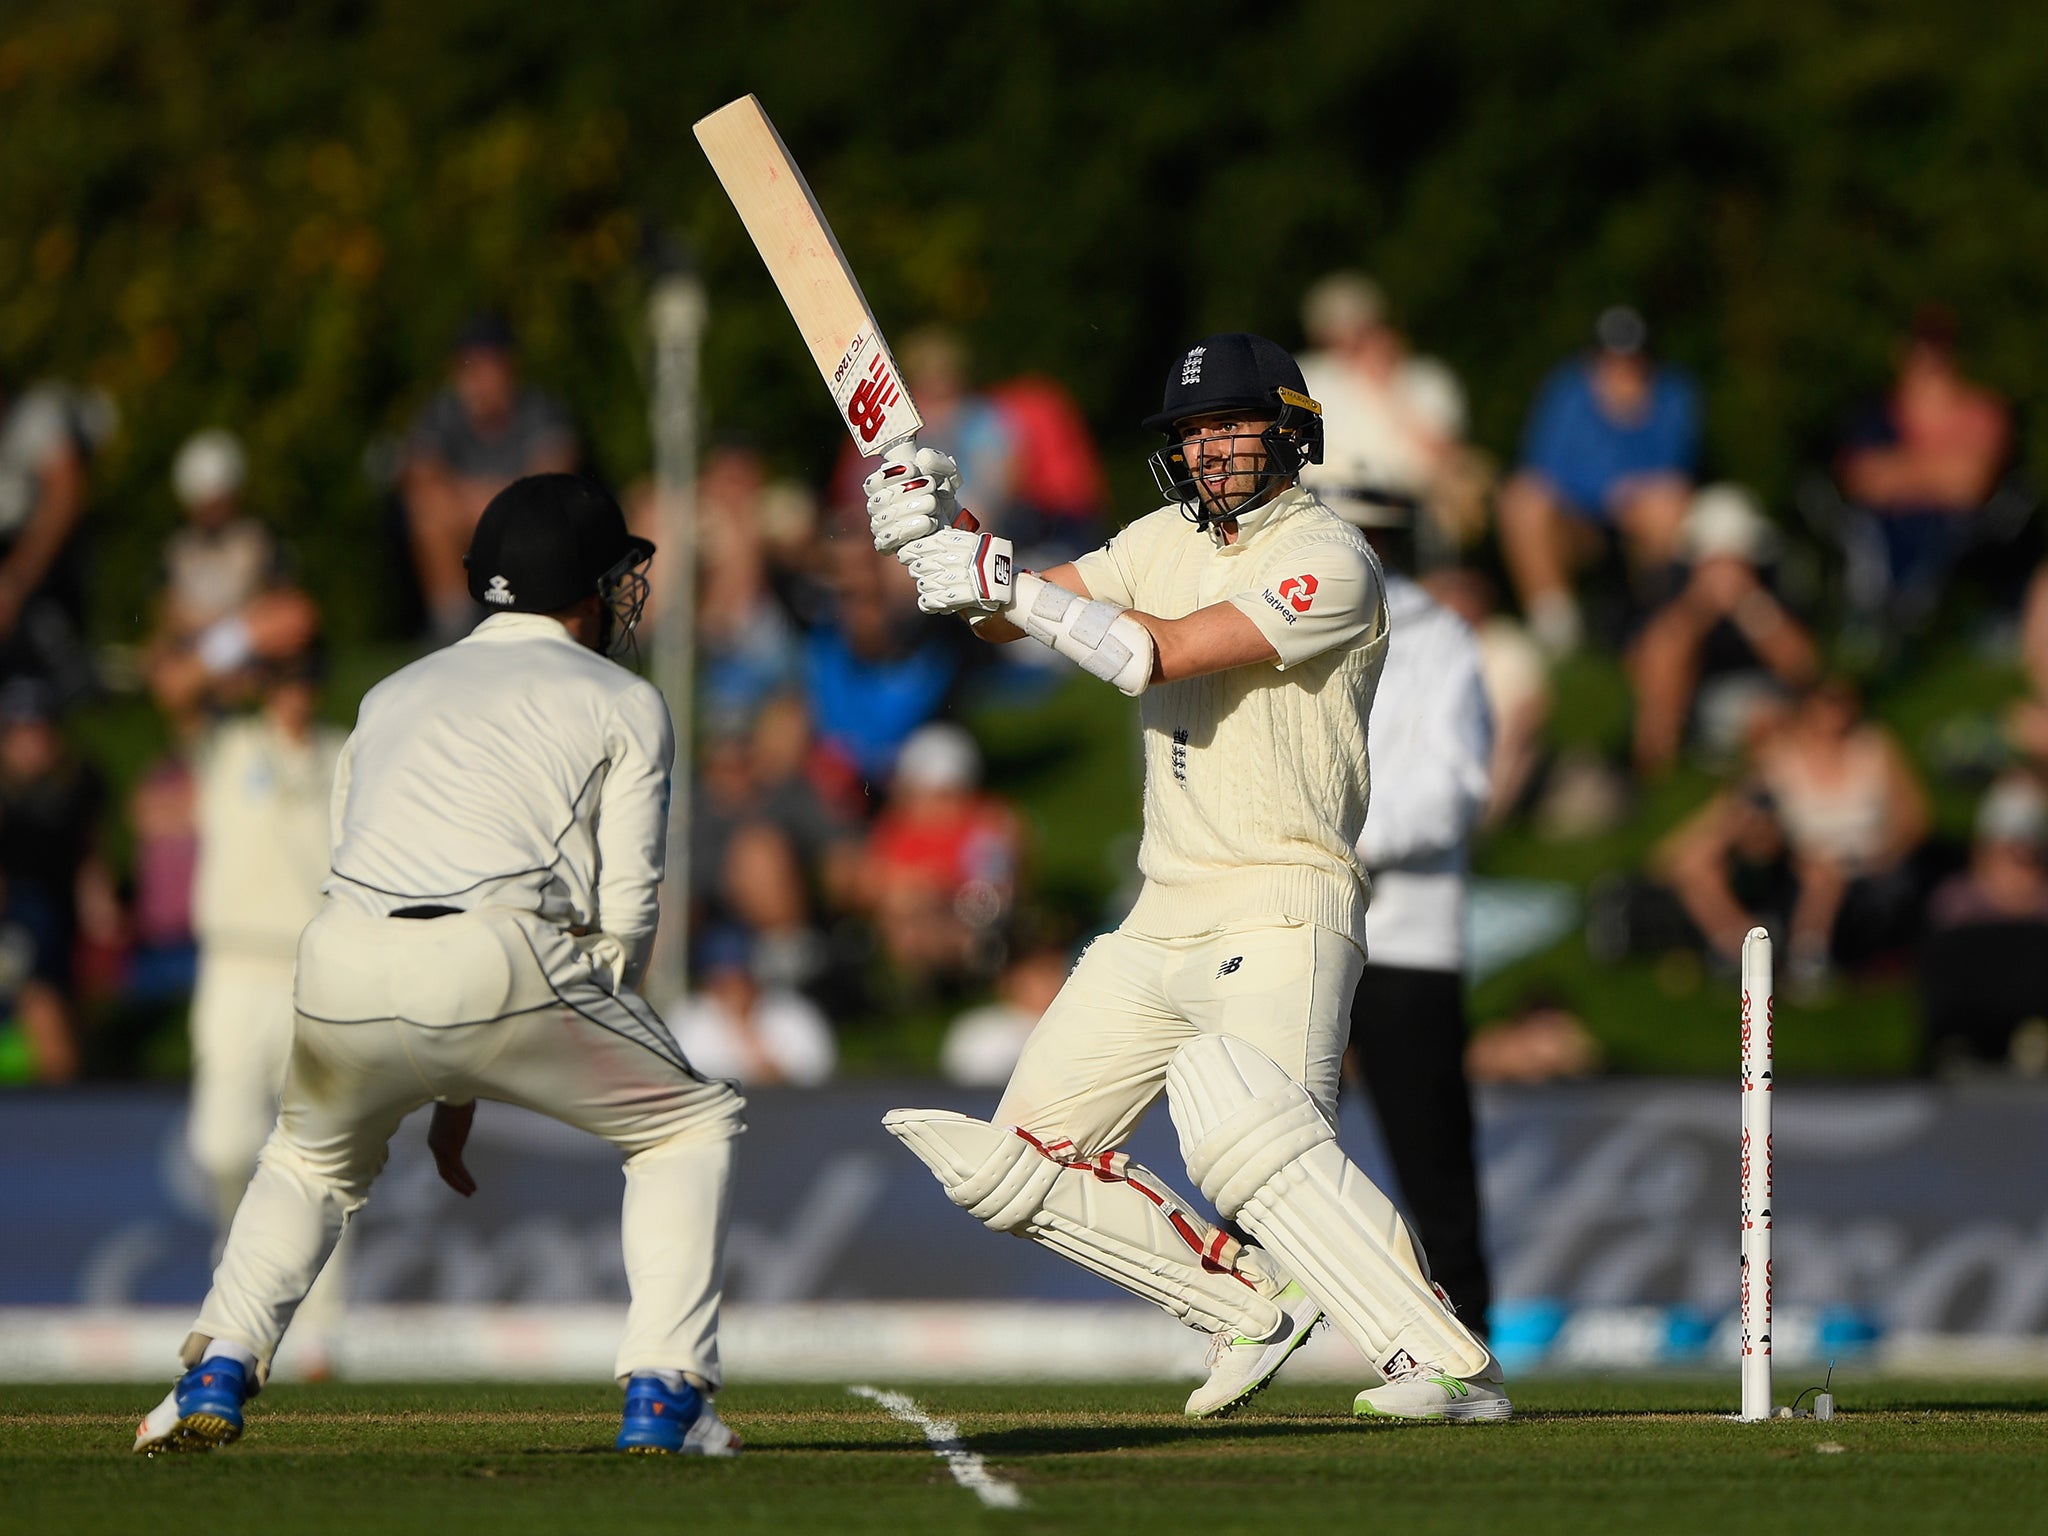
[(1255, 778), (263, 835), (476, 777), (1432, 751)]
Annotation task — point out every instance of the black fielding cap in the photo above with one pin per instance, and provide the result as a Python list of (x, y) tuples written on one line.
[(545, 541), (1228, 372)]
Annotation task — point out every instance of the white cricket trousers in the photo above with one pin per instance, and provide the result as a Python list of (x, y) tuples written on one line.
[(1097, 1060), (394, 1013)]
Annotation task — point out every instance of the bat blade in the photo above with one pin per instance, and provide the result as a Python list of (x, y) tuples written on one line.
[(796, 242)]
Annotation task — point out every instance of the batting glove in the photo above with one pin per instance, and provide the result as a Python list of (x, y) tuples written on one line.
[(913, 494), (961, 572)]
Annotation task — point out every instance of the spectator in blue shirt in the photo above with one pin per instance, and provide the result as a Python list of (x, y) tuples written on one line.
[(1607, 460)]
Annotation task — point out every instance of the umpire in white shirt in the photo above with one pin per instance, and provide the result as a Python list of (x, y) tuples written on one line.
[(1431, 740), (499, 818)]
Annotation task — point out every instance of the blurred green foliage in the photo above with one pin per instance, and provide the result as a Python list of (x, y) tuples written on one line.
[(274, 216)]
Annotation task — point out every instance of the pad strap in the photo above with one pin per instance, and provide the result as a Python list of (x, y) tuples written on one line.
[(1102, 1212)]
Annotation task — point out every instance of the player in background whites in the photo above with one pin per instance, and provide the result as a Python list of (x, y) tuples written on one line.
[(266, 780), (1432, 750), (499, 820), (1250, 623)]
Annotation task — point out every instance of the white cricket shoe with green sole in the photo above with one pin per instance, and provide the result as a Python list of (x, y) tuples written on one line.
[(1428, 1392), (1239, 1368)]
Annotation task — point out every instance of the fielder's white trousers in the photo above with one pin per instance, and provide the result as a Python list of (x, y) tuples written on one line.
[(393, 1013), (241, 1041), (1097, 1060)]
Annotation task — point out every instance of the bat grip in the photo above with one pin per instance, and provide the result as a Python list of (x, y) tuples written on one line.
[(967, 522)]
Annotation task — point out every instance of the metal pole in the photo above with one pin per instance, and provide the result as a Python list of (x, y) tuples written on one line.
[(1757, 1175), (675, 317)]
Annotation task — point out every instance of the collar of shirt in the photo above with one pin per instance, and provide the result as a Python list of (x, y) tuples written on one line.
[(519, 626), (1259, 519)]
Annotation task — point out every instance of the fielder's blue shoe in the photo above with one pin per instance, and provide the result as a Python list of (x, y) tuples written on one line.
[(659, 1422), (204, 1410)]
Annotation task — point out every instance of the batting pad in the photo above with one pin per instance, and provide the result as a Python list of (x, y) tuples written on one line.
[(1105, 1214), (1262, 1152)]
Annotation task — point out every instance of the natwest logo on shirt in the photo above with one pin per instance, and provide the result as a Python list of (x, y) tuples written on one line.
[(1300, 592)]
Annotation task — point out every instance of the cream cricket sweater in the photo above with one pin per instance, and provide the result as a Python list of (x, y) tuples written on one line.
[(1255, 779)]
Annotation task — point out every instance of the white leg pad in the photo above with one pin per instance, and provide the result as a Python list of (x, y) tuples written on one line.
[(1265, 1156), (1104, 1213)]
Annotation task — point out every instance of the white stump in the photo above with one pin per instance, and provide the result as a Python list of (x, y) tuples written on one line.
[(1756, 1176)]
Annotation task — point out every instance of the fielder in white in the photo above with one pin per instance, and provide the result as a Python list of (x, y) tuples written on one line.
[(498, 826), (266, 782), (1253, 641)]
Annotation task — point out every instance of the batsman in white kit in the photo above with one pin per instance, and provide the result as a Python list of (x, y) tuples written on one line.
[(499, 818), (1253, 641)]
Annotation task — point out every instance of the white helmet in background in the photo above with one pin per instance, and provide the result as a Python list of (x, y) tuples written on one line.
[(210, 467)]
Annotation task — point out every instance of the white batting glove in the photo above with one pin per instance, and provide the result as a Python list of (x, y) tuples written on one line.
[(961, 572), (913, 494)]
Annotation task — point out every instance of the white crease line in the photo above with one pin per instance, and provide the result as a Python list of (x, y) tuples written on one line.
[(968, 1469)]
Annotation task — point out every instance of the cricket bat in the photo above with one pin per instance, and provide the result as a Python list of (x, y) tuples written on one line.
[(796, 242)]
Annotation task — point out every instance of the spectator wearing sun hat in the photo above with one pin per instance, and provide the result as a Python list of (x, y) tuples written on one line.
[(1722, 641)]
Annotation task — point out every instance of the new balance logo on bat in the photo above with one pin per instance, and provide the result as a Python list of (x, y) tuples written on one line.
[(872, 397)]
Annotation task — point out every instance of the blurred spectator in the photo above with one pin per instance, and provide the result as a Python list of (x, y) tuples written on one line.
[(1854, 816), (1393, 423), (222, 557), (1723, 640), (38, 1042), (163, 820), (1607, 464), (1545, 1043), (45, 435), (1984, 962), (1918, 466), (1517, 685), (1059, 494), (476, 436), (744, 868), (50, 804), (940, 868), (747, 641), (736, 1028), (875, 669), (2027, 723), (958, 420), (1729, 867), (773, 842), (800, 789), (982, 1045)]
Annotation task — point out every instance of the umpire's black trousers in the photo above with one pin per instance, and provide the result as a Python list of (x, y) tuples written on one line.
[(1408, 1046)]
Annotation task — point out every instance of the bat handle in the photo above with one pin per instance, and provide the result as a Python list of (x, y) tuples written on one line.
[(967, 522)]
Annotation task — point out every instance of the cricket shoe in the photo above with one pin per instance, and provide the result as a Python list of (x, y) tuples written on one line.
[(1240, 1368), (203, 1411), (661, 1422), (1430, 1392)]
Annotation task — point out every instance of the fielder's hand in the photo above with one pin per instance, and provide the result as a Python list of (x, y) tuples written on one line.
[(961, 572), (446, 1138), (914, 493)]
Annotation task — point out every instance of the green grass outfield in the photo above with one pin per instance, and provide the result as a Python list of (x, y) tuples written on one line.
[(508, 1459)]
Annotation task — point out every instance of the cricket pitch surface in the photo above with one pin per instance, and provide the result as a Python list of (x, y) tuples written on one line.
[(902, 1458)]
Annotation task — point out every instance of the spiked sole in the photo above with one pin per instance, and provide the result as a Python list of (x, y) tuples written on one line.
[(1487, 1409), (1225, 1410), (196, 1432)]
